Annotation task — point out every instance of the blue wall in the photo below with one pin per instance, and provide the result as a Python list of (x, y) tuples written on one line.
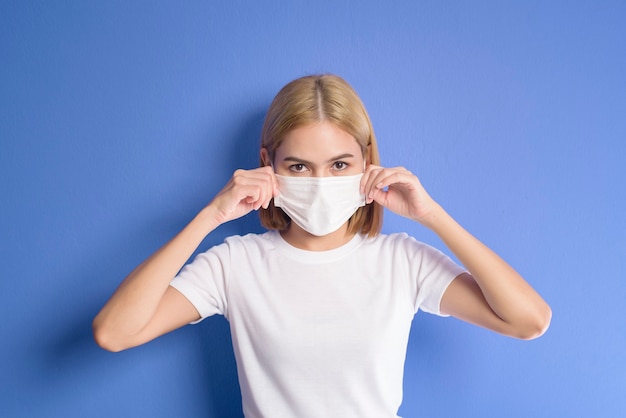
[(120, 120)]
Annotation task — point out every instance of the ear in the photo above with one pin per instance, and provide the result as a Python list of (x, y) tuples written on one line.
[(265, 157)]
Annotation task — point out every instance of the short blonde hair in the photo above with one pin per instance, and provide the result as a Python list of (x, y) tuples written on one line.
[(313, 99)]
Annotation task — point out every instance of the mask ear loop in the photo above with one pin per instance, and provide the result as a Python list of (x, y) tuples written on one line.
[(271, 164), (266, 160), (273, 168), (364, 168)]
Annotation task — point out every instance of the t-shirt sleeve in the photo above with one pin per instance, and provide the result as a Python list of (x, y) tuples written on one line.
[(204, 281), (433, 271)]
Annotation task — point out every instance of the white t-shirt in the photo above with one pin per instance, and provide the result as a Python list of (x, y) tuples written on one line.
[(318, 334)]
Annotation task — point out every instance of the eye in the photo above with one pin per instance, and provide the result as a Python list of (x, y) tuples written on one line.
[(297, 168), (340, 165)]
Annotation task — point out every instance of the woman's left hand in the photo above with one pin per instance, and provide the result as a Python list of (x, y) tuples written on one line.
[(493, 294), (398, 190)]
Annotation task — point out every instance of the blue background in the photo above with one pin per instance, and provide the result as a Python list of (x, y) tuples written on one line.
[(120, 120)]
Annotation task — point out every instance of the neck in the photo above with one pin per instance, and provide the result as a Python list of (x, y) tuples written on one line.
[(302, 239)]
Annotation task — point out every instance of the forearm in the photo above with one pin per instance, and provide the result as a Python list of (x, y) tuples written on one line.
[(509, 296), (135, 301)]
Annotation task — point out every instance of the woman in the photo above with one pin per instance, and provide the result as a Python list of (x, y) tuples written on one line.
[(320, 307)]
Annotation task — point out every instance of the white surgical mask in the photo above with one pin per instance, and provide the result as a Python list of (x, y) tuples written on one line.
[(319, 205)]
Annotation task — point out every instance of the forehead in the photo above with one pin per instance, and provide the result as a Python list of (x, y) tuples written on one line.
[(317, 139)]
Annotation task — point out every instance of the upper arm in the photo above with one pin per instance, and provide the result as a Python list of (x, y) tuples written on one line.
[(174, 311), (464, 300)]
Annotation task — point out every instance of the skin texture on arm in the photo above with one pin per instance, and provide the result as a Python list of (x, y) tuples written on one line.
[(144, 306), (493, 295)]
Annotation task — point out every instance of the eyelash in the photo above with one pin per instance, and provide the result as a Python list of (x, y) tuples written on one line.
[(299, 168)]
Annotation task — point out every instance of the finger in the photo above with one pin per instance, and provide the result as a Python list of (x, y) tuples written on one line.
[(369, 179), (392, 177), (273, 191), (367, 174), (263, 197), (261, 178), (273, 179), (374, 182), (248, 195), (255, 192), (387, 178), (269, 188), (267, 173)]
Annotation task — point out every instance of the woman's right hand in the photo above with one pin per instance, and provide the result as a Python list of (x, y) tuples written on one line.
[(247, 190), (145, 306)]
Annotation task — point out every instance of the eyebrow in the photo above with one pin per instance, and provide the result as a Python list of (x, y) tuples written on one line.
[(301, 161)]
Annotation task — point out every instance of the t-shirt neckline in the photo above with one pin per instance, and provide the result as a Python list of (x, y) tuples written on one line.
[(308, 256)]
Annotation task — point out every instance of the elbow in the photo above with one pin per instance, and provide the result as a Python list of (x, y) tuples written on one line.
[(535, 327), (105, 339)]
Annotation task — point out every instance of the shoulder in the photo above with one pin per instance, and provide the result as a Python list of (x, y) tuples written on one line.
[(265, 238), (252, 242), (234, 250), (403, 245), (397, 240)]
